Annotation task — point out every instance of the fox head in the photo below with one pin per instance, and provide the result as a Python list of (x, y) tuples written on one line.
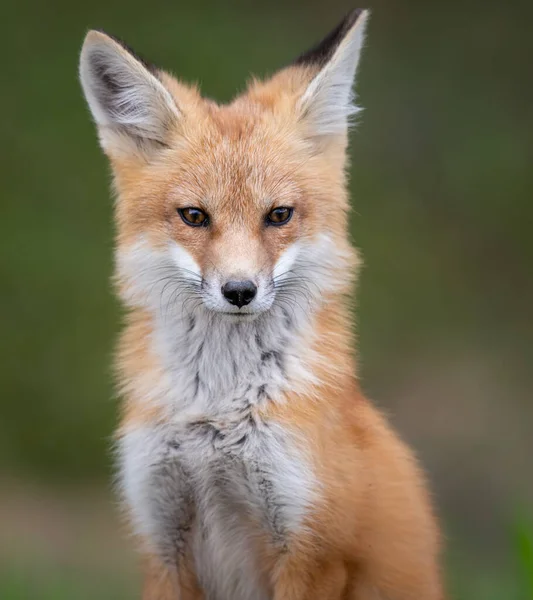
[(232, 210)]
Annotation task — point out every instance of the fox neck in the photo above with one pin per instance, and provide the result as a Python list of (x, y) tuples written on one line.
[(216, 366)]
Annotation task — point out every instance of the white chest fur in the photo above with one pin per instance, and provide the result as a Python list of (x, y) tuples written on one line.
[(215, 476), (213, 487)]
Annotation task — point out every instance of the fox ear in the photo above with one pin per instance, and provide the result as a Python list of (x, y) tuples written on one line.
[(327, 103), (132, 109)]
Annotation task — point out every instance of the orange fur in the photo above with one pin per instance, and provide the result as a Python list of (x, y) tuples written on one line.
[(377, 536)]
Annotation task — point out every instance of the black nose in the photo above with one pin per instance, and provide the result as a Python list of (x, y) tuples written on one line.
[(239, 293)]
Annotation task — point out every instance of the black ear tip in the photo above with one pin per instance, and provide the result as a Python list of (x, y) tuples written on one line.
[(351, 18), (320, 53)]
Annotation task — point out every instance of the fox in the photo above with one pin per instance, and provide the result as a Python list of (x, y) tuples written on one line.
[(250, 463)]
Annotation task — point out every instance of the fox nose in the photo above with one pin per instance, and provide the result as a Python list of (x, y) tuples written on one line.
[(239, 293)]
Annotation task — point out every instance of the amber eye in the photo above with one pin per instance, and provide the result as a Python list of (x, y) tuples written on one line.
[(279, 216), (195, 217)]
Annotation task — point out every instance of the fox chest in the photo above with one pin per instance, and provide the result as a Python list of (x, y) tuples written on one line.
[(213, 489)]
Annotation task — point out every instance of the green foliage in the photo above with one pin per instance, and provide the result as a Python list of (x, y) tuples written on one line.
[(55, 585), (523, 534)]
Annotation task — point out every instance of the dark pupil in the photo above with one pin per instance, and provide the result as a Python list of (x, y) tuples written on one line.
[(280, 214), (194, 216)]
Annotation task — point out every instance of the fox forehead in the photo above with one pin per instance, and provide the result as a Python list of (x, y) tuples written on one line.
[(230, 159), (257, 170)]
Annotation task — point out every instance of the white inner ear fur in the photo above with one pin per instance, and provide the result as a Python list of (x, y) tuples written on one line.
[(328, 102), (124, 97)]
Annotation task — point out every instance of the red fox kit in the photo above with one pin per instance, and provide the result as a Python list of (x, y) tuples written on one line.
[(250, 463)]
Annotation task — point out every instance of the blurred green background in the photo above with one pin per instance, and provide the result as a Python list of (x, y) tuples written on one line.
[(442, 182)]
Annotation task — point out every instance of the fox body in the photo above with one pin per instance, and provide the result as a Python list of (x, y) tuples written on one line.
[(250, 464)]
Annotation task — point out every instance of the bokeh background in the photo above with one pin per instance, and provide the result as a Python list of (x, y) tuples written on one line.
[(442, 182)]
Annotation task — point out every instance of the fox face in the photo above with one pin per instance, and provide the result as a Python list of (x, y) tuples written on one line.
[(234, 211)]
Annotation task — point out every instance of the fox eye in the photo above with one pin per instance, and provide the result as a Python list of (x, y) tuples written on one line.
[(279, 216), (195, 217)]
